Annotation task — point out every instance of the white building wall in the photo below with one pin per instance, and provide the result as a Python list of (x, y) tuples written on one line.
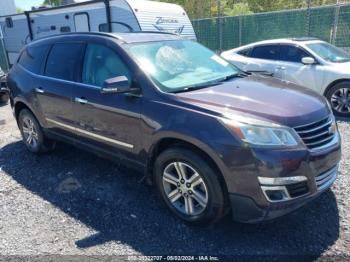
[(7, 7)]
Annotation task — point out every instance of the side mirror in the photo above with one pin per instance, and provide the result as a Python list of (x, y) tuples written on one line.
[(308, 61), (117, 85)]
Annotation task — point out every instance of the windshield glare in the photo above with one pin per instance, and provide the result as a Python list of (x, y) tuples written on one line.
[(181, 64), (329, 52)]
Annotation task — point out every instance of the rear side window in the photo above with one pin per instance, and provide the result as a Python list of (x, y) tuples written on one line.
[(32, 58), (269, 52), (292, 54), (63, 61)]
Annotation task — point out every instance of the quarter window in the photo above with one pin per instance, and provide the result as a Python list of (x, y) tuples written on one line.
[(102, 63), (269, 52), (63, 61), (32, 58), (292, 54)]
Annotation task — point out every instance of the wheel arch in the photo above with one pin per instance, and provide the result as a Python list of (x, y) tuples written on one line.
[(165, 143), (338, 81), (19, 106)]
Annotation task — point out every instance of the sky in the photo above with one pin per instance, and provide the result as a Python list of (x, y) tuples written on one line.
[(27, 4)]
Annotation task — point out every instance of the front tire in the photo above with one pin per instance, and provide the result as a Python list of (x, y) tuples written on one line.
[(32, 134), (189, 186), (339, 98)]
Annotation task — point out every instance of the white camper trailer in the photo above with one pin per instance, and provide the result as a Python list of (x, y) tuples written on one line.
[(97, 15)]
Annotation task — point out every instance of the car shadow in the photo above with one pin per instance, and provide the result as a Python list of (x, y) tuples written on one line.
[(121, 207)]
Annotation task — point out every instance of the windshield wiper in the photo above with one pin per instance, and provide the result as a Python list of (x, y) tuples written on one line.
[(235, 75)]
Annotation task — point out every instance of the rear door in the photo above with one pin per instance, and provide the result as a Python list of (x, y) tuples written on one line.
[(54, 91), (264, 58)]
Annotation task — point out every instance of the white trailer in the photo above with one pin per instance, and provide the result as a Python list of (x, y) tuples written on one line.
[(96, 15)]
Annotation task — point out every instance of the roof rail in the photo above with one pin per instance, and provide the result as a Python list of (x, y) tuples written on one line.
[(112, 35)]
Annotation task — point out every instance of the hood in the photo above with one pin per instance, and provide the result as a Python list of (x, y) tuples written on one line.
[(343, 68), (260, 97)]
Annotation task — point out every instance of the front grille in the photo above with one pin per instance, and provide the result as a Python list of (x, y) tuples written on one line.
[(317, 134), (298, 189), (325, 179)]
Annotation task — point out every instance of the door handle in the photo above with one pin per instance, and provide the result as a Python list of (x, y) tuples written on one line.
[(39, 90), (281, 67), (82, 100)]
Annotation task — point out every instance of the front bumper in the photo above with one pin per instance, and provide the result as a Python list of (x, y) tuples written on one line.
[(252, 188), (246, 210)]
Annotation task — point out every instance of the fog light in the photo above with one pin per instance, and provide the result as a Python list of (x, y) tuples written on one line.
[(276, 193)]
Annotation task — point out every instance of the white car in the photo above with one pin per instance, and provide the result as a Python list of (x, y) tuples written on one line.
[(305, 61)]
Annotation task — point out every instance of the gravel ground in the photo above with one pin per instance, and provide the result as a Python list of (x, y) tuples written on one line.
[(72, 202)]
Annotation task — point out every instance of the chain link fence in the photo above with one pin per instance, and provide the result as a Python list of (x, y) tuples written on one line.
[(329, 23)]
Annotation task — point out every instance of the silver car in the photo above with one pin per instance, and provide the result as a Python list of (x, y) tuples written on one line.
[(305, 61)]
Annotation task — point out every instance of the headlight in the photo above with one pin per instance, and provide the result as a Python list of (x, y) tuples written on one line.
[(261, 133)]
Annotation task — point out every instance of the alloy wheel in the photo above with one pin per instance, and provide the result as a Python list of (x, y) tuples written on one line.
[(185, 188), (340, 100)]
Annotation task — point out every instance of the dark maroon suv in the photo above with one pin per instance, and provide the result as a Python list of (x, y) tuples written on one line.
[(210, 138)]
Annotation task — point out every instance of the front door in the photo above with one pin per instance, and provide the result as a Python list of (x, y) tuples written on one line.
[(54, 89), (107, 121), (295, 71)]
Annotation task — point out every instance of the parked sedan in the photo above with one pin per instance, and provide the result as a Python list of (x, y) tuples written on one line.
[(209, 138), (305, 61)]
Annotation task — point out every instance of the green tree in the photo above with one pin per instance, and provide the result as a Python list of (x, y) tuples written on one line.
[(19, 10)]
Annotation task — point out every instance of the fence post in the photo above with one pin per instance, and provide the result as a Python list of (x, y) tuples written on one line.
[(335, 24), (218, 3), (240, 30), (308, 18)]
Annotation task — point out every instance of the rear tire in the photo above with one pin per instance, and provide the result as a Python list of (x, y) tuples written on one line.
[(339, 98), (189, 186), (32, 134)]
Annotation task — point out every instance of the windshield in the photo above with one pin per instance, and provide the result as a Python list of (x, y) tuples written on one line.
[(181, 65), (329, 52)]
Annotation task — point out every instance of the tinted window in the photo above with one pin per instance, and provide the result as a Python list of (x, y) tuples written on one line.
[(292, 54), (63, 61), (32, 58), (102, 63), (270, 52)]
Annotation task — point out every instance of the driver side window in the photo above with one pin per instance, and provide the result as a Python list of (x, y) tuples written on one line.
[(102, 63)]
